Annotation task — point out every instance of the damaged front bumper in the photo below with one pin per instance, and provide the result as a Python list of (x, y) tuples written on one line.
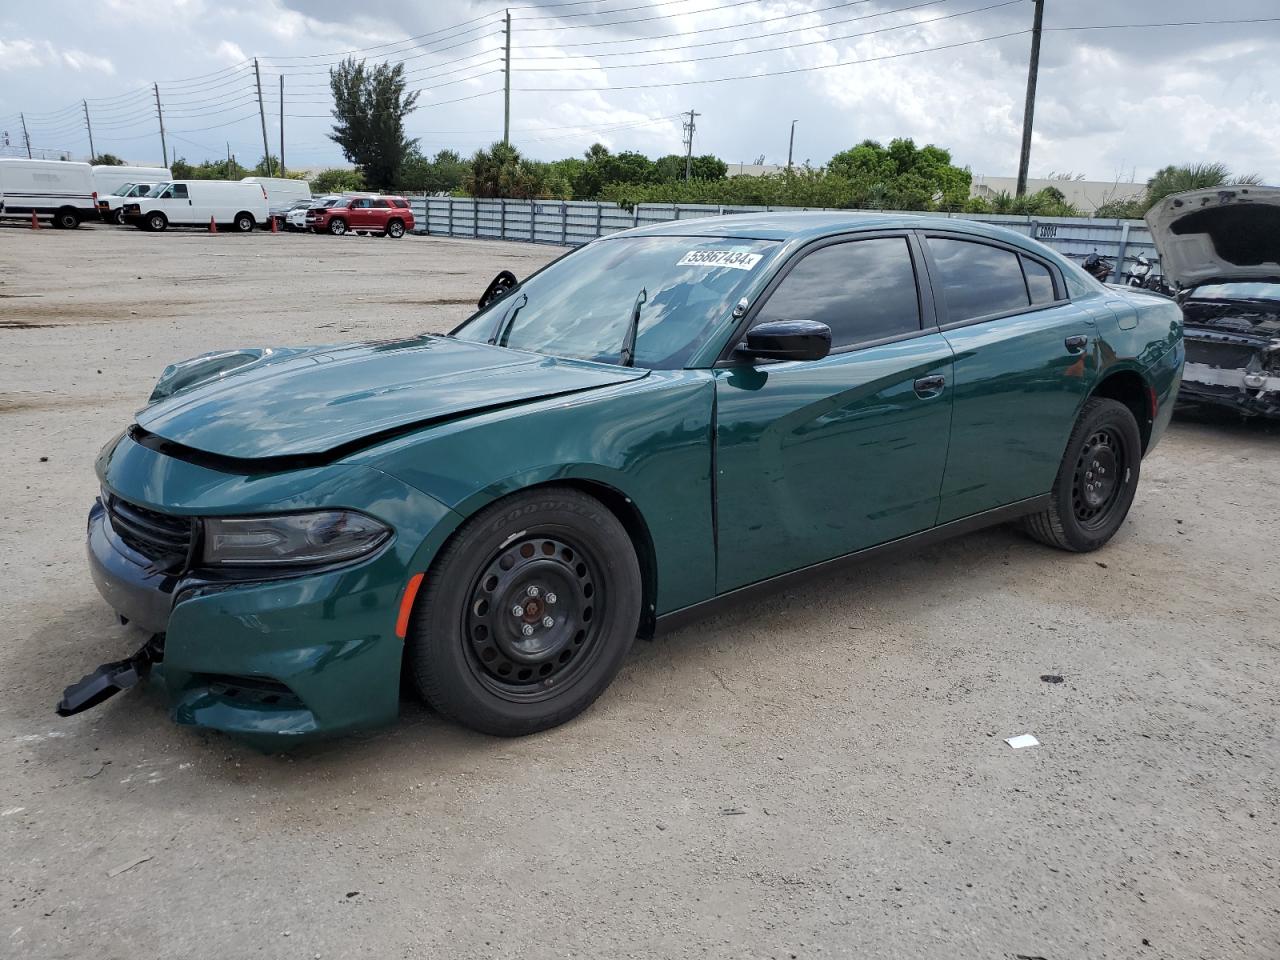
[(279, 653), (1237, 371)]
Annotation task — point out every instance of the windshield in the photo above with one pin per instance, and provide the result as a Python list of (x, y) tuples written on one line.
[(122, 190), (157, 189), (581, 305), (1242, 290)]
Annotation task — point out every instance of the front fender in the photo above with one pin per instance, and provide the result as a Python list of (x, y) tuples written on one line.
[(649, 440)]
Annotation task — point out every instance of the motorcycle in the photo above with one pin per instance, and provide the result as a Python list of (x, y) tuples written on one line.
[(1098, 267), (1142, 275)]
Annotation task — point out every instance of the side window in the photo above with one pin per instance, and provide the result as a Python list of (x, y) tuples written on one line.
[(381, 204), (978, 279), (361, 204), (1039, 281), (180, 191), (862, 289), (400, 204)]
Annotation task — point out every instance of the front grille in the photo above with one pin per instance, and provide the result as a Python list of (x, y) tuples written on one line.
[(1228, 356), (160, 537)]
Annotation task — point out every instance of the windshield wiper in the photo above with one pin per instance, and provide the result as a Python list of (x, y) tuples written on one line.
[(502, 329), (627, 357)]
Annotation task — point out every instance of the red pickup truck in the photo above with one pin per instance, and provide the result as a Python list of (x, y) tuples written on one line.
[(390, 216)]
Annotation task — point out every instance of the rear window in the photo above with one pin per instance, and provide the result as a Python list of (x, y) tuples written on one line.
[(1039, 281), (978, 280)]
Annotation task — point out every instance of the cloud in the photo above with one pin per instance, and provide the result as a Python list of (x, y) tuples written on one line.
[(230, 53), (31, 54)]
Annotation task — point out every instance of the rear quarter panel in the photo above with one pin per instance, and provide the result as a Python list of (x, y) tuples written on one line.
[(1143, 332)]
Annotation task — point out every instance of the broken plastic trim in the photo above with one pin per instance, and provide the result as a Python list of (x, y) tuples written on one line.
[(110, 678)]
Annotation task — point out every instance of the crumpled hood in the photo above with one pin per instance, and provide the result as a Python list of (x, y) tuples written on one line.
[(1225, 233), (255, 404)]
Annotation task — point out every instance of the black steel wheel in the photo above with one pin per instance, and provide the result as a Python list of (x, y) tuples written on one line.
[(527, 614), (1096, 481)]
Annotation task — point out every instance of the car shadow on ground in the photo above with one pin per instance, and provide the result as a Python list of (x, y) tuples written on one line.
[(1225, 422), (135, 724)]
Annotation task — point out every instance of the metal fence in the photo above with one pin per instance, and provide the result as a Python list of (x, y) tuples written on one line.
[(574, 222)]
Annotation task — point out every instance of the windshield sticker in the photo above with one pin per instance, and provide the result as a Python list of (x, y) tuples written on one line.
[(736, 259)]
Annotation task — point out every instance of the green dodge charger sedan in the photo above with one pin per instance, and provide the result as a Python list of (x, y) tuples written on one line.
[(655, 424)]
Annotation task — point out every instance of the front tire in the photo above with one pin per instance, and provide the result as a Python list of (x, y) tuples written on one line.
[(1096, 481), (118, 217), (156, 222), (337, 227), (527, 614)]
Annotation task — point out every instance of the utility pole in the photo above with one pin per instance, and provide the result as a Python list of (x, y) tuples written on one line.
[(1033, 68), (689, 127), (164, 150), (26, 138), (791, 143), (231, 171), (506, 89), (282, 124), (262, 115), (89, 126)]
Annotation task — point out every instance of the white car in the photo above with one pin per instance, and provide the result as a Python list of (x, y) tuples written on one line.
[(297, 218), (282, 193), (196, 203)]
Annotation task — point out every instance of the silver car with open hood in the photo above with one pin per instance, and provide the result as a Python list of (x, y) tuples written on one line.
[(1221, 247)]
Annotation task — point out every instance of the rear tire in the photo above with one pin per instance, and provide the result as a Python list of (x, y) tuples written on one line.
[(66, 219), (1096, 481), (243, 222), (527, 614), (337, 227), (395, 229)]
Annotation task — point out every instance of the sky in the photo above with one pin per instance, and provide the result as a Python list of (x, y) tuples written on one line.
[(1113, 104)]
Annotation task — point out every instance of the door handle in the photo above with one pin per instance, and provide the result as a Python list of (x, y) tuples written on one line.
[(1075, 344), (927, 387)]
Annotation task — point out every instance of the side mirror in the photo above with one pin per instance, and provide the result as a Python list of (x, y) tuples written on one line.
[(787, 340), (498, 288)]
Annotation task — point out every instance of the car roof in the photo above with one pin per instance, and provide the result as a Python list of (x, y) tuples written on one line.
[(814, 224)]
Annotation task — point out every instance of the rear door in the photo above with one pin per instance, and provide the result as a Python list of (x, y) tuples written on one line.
[(821, 458), (379, 213), (361, 214), (1025, 358)]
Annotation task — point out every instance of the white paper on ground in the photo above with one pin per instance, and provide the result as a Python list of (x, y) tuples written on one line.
[(1022, 740)]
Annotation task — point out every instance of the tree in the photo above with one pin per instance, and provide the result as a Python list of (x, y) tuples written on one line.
[(706, 167), (107, 160), (269, 166), (1193, 176), (500, 171), (902, 176), (442, 174), (370, 105), (336, 181)]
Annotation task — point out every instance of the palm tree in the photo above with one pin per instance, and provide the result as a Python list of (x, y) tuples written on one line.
[(1193, 176)]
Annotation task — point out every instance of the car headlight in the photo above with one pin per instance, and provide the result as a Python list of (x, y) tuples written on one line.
[(323, 536)]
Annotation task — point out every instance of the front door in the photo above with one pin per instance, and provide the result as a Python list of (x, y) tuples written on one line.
[(1025, 358), (361, 210), (822, 458)]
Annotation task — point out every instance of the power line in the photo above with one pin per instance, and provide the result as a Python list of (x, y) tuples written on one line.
[(756, 35), (787, 46), (616, 23), (1167, 23), (776, 73)]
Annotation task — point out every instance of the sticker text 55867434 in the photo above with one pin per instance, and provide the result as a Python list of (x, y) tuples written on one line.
[(737, 259)]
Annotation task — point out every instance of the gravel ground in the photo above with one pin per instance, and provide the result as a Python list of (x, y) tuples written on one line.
[(820, 774)]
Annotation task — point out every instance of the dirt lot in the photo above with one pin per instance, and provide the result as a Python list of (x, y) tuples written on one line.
[(815, 775)]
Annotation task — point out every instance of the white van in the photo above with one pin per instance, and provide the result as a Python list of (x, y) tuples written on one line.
[(193, 203), (282, 192), (58, 189), (108, 180), (111, 206)]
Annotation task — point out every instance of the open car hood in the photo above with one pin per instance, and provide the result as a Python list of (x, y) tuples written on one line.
[(1225, 233), (260, 404)]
